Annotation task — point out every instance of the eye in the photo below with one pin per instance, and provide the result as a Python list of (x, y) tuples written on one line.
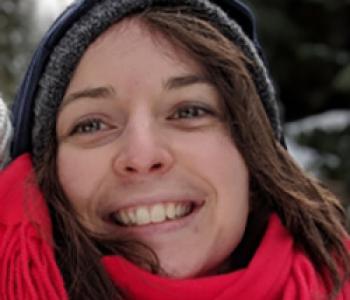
[(88, 126), (190, 112)]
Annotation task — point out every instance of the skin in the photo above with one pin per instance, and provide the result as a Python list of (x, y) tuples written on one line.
[(124, 143)]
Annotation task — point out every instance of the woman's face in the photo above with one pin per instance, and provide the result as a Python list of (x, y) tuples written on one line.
[(144, 152)]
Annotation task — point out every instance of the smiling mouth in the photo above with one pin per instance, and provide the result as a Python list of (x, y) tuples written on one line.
[(154, 214)]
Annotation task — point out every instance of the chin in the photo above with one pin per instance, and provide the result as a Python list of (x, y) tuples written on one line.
[(186, 271)]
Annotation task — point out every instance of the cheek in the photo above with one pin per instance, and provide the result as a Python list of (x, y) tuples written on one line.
[(80, 174), (215, 157), (216, 160), (229, 177)]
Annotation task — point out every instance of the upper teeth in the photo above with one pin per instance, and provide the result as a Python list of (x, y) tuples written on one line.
[(143, 215)]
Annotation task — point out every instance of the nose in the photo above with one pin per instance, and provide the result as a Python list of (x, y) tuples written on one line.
[(142, 151)]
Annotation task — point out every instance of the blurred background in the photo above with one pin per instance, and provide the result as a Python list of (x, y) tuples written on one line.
[(307, 44)]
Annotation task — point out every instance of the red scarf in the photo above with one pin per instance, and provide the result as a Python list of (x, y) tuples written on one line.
[(28, 269)]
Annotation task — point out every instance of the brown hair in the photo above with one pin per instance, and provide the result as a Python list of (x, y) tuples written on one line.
[(310, 212)]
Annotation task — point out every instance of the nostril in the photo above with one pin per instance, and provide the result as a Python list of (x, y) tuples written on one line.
[(156, 166), (130, 169)]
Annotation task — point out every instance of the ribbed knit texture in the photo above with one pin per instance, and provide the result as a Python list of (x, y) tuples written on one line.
[(28, 269), (100, 17)]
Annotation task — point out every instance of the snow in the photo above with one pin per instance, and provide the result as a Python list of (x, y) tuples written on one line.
[(45, 12), (335, 120)]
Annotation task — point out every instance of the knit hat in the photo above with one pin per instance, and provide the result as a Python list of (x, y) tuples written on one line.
[(5, 131), (99, 16)]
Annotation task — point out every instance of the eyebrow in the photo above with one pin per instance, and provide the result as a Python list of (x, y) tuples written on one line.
[(97, 92), (186, 80), (109, 92)]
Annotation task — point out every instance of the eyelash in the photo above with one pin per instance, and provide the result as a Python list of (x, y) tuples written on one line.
[(193, 110), (87, 126)]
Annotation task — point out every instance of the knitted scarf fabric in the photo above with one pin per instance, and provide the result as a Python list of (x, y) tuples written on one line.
[(28, 269)]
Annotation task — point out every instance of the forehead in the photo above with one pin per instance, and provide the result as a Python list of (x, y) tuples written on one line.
[(134, 32), (131, 50)]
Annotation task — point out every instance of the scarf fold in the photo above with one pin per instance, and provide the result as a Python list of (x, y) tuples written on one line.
[(28, 269), (27, 264)]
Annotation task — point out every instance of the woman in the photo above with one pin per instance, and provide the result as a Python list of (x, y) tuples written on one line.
[(153, 132)]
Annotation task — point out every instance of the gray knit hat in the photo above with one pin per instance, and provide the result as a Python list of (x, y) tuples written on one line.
[(5, 131), (69, 50)]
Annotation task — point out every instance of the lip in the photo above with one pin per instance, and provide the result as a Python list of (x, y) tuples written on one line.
[(126, 199)]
